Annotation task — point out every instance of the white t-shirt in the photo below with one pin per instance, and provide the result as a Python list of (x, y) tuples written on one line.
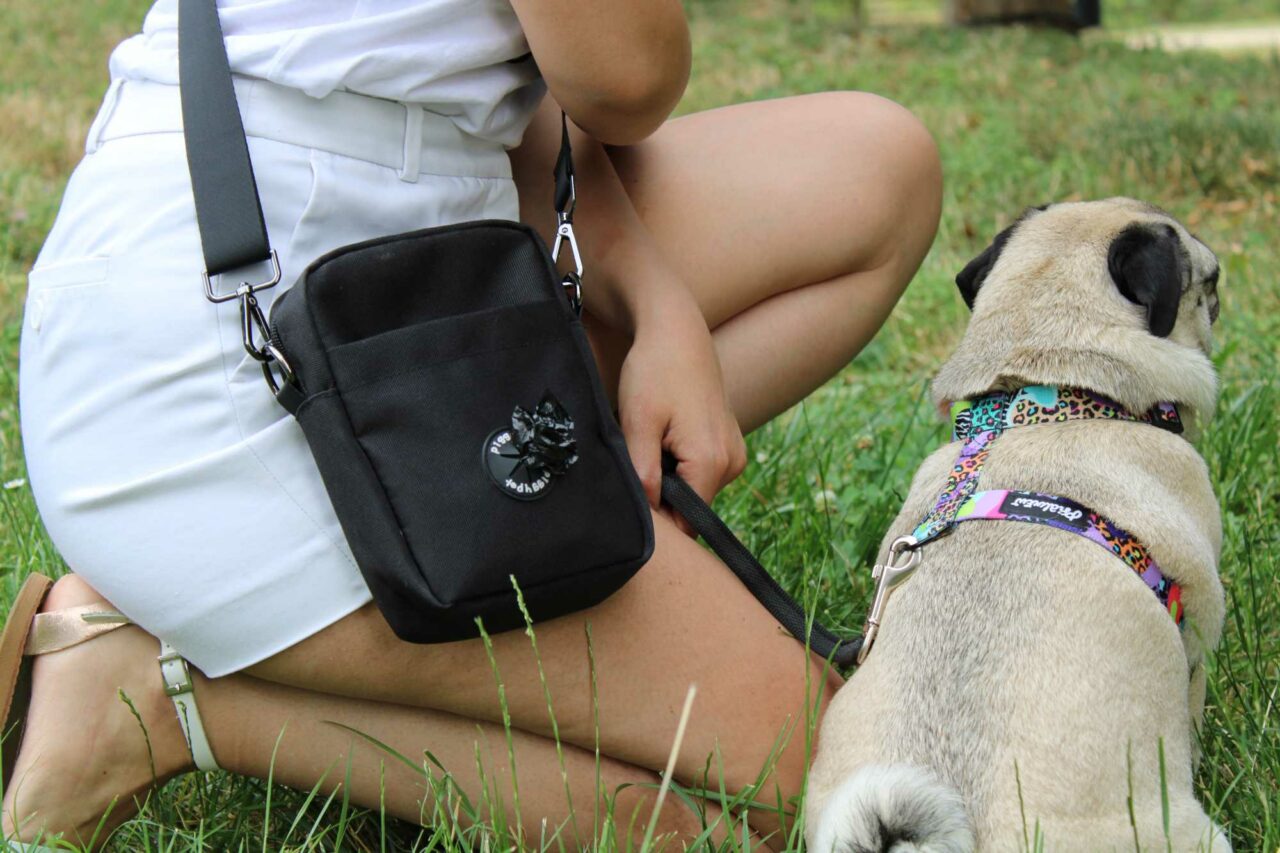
[(467, 59)]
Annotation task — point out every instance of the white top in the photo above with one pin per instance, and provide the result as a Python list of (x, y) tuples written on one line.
[(467, 59)]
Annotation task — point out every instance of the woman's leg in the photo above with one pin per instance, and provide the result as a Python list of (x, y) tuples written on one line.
[(683, 620), (301, 738), (84, 746), (797, 223), (795, 262)]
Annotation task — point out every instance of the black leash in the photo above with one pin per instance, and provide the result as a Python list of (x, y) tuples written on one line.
[(684, 500)]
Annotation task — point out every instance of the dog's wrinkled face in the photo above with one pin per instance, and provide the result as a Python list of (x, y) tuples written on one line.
[(1117, 262)]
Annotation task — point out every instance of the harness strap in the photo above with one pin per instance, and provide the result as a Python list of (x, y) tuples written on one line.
[(978, 423), (961, 483), (981, 421), (1066, 514), (1041, 404)]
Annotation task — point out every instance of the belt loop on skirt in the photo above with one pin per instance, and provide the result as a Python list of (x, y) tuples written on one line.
[(94, 138), (412, 163)]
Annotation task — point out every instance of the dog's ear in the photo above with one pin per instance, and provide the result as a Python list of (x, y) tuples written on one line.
[(970, 279), (1145, 261)]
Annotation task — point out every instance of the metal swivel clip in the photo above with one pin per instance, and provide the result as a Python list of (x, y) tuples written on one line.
[(572, 281), (900, 565), (254, 326)]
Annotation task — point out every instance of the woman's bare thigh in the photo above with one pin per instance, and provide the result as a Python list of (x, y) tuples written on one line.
[(683, 620), (796, 223), (752, 200), (835, 195)]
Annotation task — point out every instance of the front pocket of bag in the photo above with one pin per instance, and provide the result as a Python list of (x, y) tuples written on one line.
[(389, 356), (422, 403)]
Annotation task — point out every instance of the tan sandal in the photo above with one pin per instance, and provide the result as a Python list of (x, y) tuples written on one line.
[(29, 633)]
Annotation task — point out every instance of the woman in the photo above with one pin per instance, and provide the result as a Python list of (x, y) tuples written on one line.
[(737, 259)]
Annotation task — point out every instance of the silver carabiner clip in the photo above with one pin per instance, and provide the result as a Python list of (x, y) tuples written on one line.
[(572, 284), (275, 357), (564, 233), (895, 571), (253, 323)]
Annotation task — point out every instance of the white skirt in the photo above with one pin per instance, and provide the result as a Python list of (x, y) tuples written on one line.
[(165, 472)]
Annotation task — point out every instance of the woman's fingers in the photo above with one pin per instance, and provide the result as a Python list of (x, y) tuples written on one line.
[(642, 427), (714, 461), (707, 464), (703, 468)]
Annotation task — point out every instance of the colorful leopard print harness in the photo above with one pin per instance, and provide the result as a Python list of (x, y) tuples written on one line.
[(978, 423)]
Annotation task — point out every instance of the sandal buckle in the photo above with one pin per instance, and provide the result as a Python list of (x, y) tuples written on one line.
[(175, 687)]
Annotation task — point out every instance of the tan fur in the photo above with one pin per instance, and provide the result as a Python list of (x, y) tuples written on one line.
[(1023, 666)]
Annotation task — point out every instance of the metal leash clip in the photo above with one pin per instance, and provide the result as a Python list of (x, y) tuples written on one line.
[(901, 564), (253, 324), (572, 281)]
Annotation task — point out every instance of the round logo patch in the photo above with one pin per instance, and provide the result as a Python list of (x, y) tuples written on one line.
[(509, 471)]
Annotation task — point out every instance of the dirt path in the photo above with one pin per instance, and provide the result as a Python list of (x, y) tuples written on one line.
[(1226, 39)]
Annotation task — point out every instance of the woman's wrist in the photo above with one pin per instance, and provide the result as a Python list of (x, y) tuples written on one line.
[(634, 289), (625, 278), (656, 301)]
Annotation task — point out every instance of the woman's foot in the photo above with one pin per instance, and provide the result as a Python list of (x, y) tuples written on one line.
[(84, 753)]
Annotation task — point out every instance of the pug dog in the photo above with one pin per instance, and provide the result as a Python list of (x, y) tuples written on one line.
[(1027, 690)]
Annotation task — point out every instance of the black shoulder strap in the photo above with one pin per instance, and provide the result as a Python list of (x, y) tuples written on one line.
[(232, 231), (228, 211), (684, 500), (563, 171)]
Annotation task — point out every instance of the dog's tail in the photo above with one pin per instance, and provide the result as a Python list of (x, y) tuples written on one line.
[(894, 809)]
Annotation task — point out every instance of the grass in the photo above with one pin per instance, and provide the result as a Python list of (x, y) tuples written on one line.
[(1022, 118)]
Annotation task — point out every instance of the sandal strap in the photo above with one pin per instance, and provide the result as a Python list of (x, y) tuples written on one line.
[(179, 687), (71, 626)]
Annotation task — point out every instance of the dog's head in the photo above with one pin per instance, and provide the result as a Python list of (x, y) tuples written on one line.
[(1116, 296)]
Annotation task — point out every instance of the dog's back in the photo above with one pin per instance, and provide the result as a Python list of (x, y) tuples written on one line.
[(1023, 684), (1022, 667)]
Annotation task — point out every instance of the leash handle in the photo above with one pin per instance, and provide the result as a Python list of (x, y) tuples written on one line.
[(681, 497)]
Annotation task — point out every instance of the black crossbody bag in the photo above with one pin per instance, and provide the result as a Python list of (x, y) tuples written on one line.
[(448, 393)]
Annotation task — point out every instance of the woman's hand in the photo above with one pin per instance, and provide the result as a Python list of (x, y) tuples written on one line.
[(671, 397), (670, 392)]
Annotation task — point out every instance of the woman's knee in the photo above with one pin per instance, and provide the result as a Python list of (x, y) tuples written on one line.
[(888, 159)]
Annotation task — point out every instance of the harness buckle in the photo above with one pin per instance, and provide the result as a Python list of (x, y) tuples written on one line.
[(901, 564)]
